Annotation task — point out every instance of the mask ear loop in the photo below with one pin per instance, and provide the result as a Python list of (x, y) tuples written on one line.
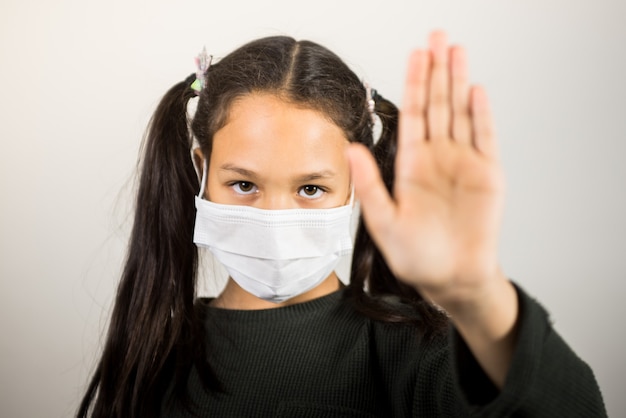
[(205, 169), (192, 106)]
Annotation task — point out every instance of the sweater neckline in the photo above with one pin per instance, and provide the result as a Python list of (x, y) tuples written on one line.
[(322, 303)]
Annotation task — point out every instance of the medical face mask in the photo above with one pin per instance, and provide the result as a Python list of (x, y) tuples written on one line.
[(274, 254)]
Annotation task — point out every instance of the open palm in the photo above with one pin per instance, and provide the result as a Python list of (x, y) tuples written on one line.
[(439, 229)]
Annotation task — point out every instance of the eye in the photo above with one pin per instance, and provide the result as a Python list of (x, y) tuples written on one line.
[(244, 187), (311, 192)]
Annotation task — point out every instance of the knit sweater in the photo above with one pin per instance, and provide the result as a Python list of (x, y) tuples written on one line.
[(322, 359)]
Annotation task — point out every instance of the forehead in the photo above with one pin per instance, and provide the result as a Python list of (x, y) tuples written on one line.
[(263, 129)]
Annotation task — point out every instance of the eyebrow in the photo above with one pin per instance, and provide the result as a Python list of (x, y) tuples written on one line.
[(317, 175), (238, 170)]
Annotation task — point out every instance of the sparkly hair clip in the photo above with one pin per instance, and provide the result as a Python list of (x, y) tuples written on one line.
[(203, 62), (370, 94)]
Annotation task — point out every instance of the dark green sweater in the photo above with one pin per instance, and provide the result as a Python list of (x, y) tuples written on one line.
[(322, 359)]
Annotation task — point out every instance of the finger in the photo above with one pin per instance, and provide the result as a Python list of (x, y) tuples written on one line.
[(461, 123), (484, 135), (412, 118), (412, 124), (377, 206), (439, 90)]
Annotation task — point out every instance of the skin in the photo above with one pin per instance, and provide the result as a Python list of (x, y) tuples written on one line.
[(438, 230)]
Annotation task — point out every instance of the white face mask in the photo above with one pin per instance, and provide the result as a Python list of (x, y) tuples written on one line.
[(274, 254)]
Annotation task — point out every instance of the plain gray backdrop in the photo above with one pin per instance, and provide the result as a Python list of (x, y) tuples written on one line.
[(79, 80)]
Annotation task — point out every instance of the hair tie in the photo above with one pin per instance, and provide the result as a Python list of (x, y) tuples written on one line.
[(203, 62)]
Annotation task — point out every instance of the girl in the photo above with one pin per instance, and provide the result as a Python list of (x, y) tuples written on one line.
[(273, 194)]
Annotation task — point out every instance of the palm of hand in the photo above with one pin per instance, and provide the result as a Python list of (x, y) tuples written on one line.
[(438, 232), (446, 219)]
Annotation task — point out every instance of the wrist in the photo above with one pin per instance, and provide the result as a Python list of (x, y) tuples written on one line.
[(468, 295), (489, 313)]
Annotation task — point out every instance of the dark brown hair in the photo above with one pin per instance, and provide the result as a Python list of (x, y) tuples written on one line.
[(155, 335)]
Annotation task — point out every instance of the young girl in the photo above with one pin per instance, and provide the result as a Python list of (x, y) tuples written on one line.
[(281, 145)]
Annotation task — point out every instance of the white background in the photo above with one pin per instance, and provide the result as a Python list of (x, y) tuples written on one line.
[(79, 79)]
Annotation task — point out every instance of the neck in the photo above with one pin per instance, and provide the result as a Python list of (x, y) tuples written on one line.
[(235, 297)]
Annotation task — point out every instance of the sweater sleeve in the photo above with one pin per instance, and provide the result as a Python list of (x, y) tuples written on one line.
[(546, 378)]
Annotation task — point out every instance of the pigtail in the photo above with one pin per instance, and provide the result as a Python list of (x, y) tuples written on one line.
[(369, 268), (154, 335)]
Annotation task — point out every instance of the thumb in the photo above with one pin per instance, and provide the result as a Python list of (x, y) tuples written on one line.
[(377, 206)]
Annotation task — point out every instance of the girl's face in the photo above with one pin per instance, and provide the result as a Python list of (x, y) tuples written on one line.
[(274, 155)]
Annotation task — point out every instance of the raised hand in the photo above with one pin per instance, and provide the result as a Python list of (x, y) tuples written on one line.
[(438, 231)]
